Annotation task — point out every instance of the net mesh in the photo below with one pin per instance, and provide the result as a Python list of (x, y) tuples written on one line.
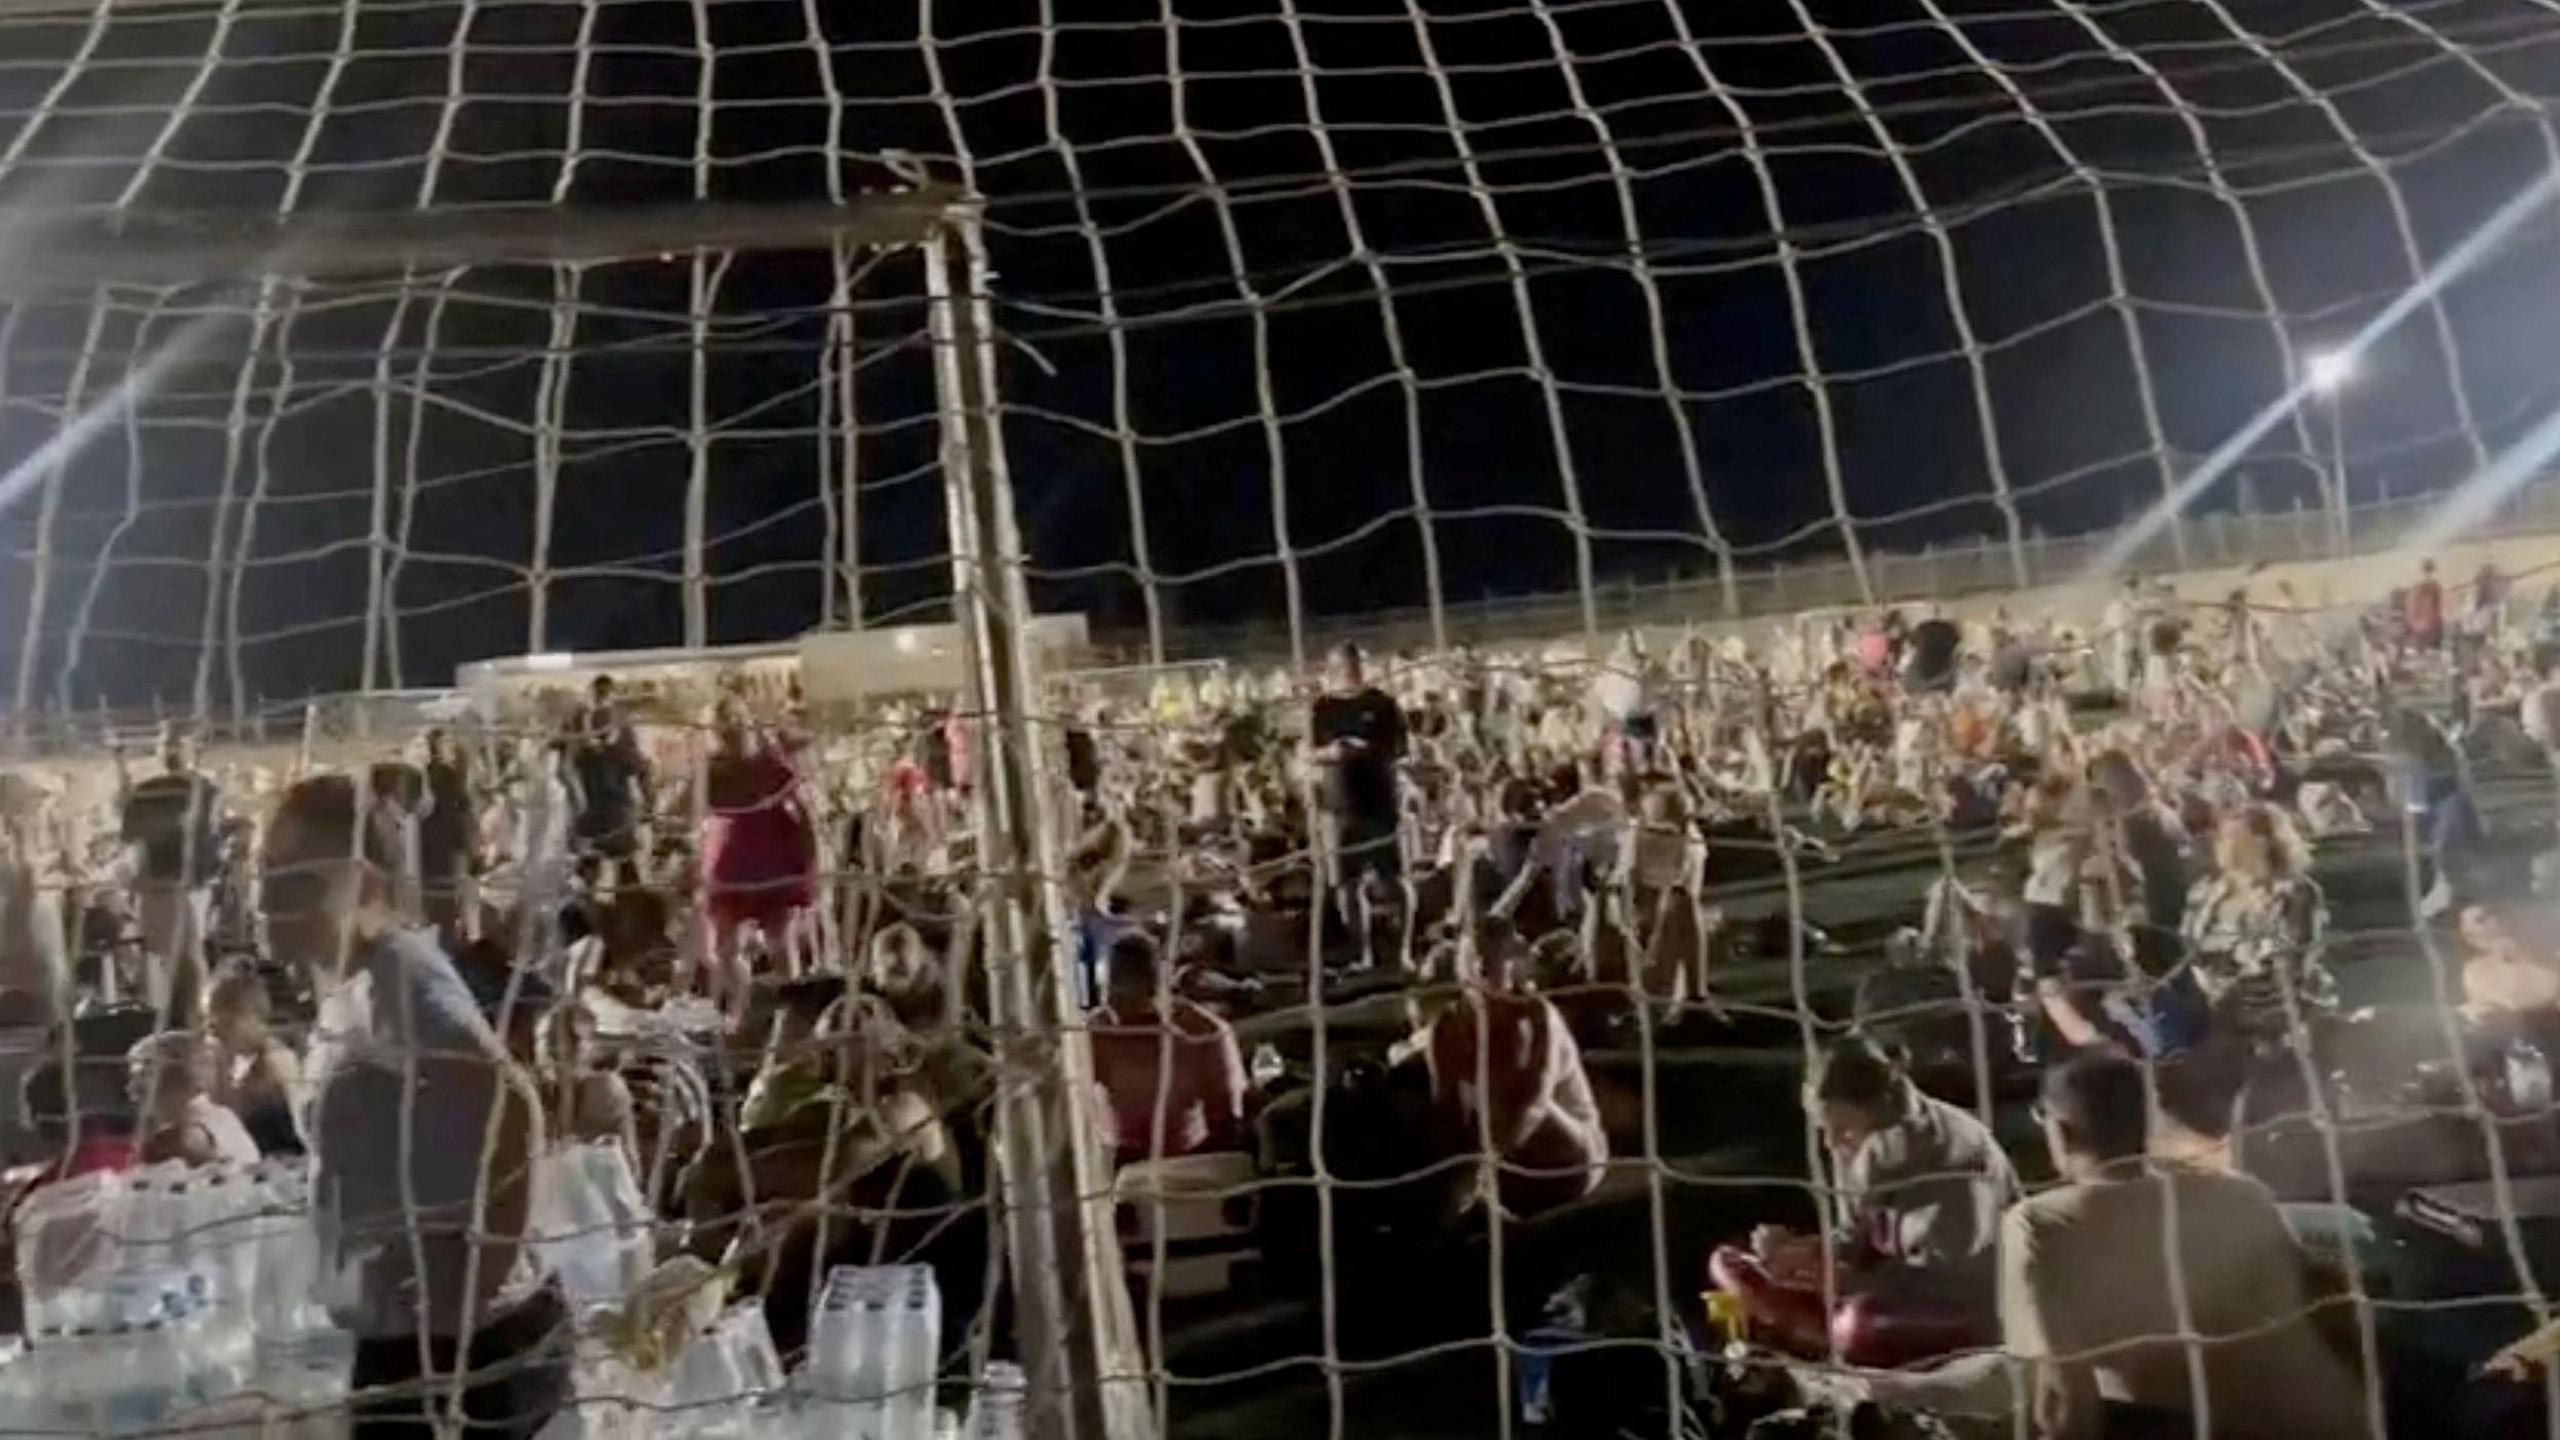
[(1444, 323)]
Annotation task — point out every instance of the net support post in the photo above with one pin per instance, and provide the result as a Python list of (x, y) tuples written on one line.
[(1074, 1324)]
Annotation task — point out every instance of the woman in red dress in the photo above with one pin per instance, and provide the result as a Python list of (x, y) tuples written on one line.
[(757, 849)]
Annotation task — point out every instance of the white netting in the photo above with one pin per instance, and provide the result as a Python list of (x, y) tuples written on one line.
[(1441, 323), (1317, 312)]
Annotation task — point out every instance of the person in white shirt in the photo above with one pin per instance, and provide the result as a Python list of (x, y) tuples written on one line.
[(543, 808), (2117, 1344), (1617, 690), (2058, 845), (1593, 830), (2128, 629)]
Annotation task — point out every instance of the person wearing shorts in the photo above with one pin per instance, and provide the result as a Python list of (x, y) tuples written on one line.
[(173, 824), (1356, 733)]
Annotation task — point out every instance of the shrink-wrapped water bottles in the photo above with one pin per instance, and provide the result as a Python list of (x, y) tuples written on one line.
[(874, 1347)]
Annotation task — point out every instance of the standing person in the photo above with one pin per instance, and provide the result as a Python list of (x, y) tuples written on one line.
[(173, 827), (423, 1132), (757, 849), (2128, 627), (2489, 591), (448, 842), (2120, 1346), (2058, 844), (35, 962), (1930, 663), (2422, 610), (2150, 847), (2429, 774), (613, 782), (2541, 713), (1356, 733), (544, 807)]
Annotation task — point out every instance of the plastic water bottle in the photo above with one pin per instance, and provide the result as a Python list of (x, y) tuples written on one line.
[(723, 1377), (995, 1412), (223, 1234), (2528, 1077), (18, 1414), (135, 1377)]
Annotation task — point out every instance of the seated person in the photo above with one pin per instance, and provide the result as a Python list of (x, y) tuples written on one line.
[(2086, 1302), (1920, 1187), (1507, 1076), (256, 1075), (793, 1073), (590, 1102), (1162, 1055), (173, 1079), (864, 1139), (99, 1138), (2506, 977), (552, 1042)]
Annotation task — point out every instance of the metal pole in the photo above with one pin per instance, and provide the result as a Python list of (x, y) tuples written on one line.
[(1088, 1377), (2338, 467), (49, 251)]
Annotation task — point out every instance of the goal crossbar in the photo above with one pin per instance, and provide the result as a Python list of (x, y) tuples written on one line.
[(40, 253)]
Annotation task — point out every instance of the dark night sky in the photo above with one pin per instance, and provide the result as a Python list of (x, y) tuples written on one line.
[(1210, 203)]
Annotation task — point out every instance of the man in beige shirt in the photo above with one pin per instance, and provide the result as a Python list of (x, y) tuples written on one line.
[(2119, 1344)]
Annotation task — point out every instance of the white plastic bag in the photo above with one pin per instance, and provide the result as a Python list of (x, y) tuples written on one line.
[(590, 1224), (68, 1242)]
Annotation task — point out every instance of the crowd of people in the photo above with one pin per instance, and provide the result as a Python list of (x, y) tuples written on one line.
[(743, 947)]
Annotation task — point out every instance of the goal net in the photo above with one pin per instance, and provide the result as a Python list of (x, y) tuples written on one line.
[(1450, 326)]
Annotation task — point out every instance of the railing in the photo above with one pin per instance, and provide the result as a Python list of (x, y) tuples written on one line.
[(2218, 540)]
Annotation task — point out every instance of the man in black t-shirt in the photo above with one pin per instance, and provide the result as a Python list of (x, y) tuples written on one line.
[(172, 824), (613, 782), (448, 842), (1929, 663), (1356, 732)]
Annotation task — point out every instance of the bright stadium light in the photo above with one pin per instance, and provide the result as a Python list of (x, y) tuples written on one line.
[(2331, 369)]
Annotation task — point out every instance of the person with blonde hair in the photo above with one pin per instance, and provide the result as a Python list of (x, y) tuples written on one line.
[(255, 1075), (173, 1080), (2259, 917)]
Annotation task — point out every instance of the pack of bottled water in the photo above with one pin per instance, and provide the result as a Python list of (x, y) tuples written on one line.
[(169, 1290), (95, 1251), (139, 1371), (874, 1349), (995, 1410)]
